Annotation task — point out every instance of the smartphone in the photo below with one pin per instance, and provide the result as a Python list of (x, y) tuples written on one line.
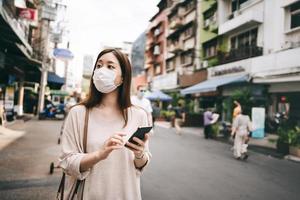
[(139, 133)]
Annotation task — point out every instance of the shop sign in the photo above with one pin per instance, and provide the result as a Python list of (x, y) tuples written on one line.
[(258, 122), (9, 100), (167, 81), (229, 70), (27, 13)]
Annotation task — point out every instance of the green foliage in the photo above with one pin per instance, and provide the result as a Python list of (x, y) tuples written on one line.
[(244, 97), (215, 128), (167, 114), (294, 136)]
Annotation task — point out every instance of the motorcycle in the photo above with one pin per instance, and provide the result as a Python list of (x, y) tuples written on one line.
[(272, 124), (52, 111)]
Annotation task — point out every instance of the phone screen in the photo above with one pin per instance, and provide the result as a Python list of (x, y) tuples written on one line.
[(139, 133)]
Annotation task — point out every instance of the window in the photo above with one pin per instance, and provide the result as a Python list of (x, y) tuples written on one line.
[(157, 69), (186, 58), (156, 31), (236, 4), (210, 49), (156, 50), (170, 65), (295, 15), (245, 39), (188, 32)]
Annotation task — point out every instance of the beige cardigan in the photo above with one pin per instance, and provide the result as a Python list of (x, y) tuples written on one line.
[(113, 178)]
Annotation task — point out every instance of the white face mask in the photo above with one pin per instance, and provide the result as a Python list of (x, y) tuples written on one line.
[(104, 80), (140, 94)]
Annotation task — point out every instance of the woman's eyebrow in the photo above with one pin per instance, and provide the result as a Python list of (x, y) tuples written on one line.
[(111, 62)]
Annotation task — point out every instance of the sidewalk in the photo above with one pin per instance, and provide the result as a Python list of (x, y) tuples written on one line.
[(8, 134), (266, 145)]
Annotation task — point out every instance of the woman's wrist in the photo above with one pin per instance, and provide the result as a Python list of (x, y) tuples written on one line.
[(139, 156), (99, 155)]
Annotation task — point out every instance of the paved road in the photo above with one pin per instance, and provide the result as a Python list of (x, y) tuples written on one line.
[(183, 167)]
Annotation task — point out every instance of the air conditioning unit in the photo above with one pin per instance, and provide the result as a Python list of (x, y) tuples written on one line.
[(205, 64), (206, 23), (287, 45), (236, 13), (156, 50)]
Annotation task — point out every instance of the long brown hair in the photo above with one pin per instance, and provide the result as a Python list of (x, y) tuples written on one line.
[(94, 97)]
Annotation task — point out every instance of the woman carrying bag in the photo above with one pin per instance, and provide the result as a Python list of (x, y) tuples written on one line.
[(102, 124)]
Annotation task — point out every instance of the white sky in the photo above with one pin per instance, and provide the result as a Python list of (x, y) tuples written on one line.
[(94, 23)]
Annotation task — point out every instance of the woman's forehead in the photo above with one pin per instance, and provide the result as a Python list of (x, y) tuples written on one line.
[(109, 58)]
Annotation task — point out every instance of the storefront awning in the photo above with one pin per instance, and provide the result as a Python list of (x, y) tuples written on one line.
[(53, 78), (212, 84)]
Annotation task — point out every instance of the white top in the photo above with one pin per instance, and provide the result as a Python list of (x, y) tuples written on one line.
[(243, 125), (113, 178), (143, 103)]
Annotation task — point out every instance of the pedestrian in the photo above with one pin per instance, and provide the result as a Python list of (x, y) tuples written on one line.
[(156, 111), (141, 101), (207, 119), (110, 170), (180, 116), (241, 128), (236, 111)]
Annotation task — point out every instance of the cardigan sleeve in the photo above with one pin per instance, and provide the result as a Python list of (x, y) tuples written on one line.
[(144, 123), (72, 143)]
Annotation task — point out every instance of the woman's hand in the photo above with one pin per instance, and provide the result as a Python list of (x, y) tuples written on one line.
[(139, 149), (113, 143)]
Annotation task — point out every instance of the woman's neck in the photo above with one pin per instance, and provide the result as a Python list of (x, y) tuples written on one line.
[(110, 100)]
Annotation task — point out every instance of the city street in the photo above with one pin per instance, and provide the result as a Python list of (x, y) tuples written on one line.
[(182, 167)]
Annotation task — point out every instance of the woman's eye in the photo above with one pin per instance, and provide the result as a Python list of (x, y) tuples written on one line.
[(111, 67), (98, 66)]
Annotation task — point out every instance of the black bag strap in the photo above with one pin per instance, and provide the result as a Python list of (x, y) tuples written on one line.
[(61, 187)]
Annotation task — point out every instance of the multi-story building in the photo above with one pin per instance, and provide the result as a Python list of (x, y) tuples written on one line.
[(156, 48), (88, 65), (18, 21), (252, 44)]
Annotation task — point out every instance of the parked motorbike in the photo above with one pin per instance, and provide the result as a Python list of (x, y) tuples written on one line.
[(52, 111), (272, 124)]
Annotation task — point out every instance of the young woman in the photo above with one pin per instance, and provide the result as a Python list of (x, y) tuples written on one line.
[(110, 170)]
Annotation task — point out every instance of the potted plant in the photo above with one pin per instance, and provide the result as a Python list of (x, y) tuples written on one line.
[(283, 141), (294, 141)]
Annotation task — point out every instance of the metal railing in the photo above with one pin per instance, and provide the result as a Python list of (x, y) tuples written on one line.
[(239, 54)]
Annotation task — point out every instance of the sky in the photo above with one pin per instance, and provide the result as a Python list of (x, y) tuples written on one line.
[(96, 23)]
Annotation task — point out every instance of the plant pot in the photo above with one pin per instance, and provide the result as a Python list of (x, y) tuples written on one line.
[(295, 151), (282, 147)]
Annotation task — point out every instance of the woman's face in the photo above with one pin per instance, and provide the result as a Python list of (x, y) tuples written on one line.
[(110, 61)]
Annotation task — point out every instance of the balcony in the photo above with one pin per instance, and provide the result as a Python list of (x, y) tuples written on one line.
[(239, 54), (175, 48), (177, 23), (241, 20)]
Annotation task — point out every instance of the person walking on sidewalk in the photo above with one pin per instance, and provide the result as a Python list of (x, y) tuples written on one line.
[(207, 118), (240, 131), (180, 115), (110, 170)]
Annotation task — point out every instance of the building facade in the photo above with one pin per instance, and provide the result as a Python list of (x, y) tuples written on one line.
[(156, 46), (251, 44)]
